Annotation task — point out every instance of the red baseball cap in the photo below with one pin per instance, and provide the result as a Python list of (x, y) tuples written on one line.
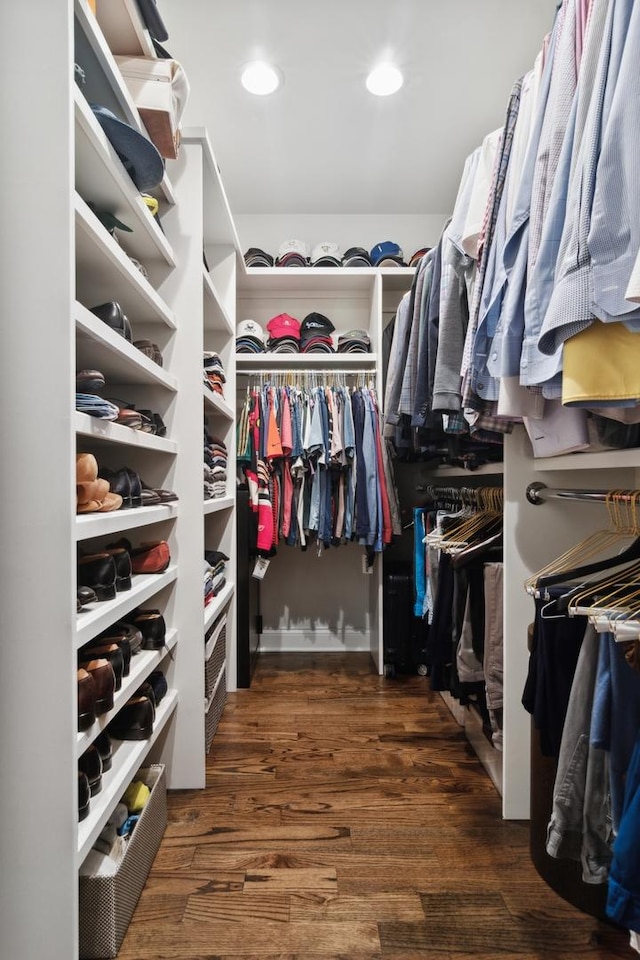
[(284, 326)]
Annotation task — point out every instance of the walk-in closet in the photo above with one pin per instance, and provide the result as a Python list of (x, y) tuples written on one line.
[(320, 601)]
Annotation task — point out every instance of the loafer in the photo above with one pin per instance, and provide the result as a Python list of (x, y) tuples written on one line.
[(151, 557), (152, 626), (120, 483), (136, 487), (123, 567), (91, 765), (86, 700), (113, 652), (102, 744), (84, 795), (134, 721), (164, 496), (86, 595), (98, 571), (150, 350), (158, 683), (131, 633), (113, 315), (157, 422), (105, 681)]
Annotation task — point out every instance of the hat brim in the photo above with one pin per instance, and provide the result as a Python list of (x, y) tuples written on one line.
[(140, 157)]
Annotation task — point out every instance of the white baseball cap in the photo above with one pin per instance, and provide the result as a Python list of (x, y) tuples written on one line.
[(326, 254), (293, 246), (250, 328)]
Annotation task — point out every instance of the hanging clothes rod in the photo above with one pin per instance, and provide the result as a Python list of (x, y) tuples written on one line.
[(315, 371), (537, 493)]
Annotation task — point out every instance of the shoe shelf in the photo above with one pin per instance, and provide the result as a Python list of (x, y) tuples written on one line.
[(141, 666), (218, 603), (101, 524), (246, 362), (102, 178), (123, 28), (218, 403), (128, 756), (100, 347), (216, 316), (104, 272), (218, 503), (213, 639), (96, 617), (118, 89), (97, 429)]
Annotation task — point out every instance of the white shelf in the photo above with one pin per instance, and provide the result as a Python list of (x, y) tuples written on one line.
[(322, 361), (142, 664), (102, 178), (217, 504), (128, 755), (606, 460), (487, 469), (218, 403), (217, 604), (98, 429), (108, 65), (219, 228), (101, 524), (213, 639), (99, 347), (286, 280), (96, 617), (216, 316), (215, 688), (124, 29), (104, 272)]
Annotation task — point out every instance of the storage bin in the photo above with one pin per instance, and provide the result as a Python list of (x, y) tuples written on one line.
[(160, 91), (214, 663), (213, 714), (106, 903)]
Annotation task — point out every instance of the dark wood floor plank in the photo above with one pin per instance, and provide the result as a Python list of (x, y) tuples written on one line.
[(347, 818)]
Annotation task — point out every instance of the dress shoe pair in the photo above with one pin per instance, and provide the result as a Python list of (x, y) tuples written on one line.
[(104, 680), (84, 795), (85, 595), (135, 720), (150, 350), (115, 649), (98, 571), (127, 415), (126, 483), (90, 763), (113, 315), (86, 699), (150, 557), (152, 626)]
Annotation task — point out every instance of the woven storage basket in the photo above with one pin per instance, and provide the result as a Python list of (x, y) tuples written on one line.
[(213, 665), (107, 903), (213, 714)]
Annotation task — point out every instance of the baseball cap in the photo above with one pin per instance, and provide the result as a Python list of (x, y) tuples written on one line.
[(356, 257), (315, 324), (289, 247), (292, 260), (284, 345), (418, 255), (354, 341), (317, 345), (284, 326), (386, 249), (390, 262), (250, 328), (326, 254), (255, 257)]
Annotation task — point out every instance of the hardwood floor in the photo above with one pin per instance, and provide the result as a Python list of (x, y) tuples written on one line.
[(346, 817)]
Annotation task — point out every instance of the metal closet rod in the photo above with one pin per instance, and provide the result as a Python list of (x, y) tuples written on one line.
[(296, 371), (537, 493)]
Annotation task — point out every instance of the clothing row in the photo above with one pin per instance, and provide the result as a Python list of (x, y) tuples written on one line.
[(295, 253), (213, 374), (536, 270), (289, 335), (459, 594), (317, 468), (215, 569)]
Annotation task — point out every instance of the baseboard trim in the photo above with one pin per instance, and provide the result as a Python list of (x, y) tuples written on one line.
[(317, 641)]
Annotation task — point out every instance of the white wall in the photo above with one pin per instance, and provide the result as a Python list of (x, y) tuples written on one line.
[(411, 232)]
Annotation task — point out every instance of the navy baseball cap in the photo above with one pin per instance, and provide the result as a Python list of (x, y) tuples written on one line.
[(385, 251)]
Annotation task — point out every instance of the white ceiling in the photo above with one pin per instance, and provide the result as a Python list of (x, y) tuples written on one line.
[(322, 144)]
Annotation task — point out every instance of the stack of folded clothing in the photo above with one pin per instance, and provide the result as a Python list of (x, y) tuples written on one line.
[(214, 377), (215, 467), (284, 334), (293, 253), (215, 562), (88, 383), (354, 341), (255, 257), (315, 334), (249, 337)]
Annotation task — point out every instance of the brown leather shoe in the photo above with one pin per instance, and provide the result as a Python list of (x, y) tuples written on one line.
[(86, 700), (105, 681), (110, 652)]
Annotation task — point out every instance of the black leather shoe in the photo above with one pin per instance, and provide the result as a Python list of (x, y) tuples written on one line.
[(102, 744), (98, 571), (86, 595), (152, 626), (102, 647), (158, 683), (119, 482), (105, 681), (91, 765), (134, 721), (136, 487), (84, 795), (123, 567), (113, 315), (131, 633), (86, 700)]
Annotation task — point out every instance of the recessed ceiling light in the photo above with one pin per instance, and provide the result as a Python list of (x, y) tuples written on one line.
[(261, 78), (384, 80)]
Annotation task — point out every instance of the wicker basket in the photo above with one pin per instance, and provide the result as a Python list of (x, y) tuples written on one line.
[(107, 903), (213, 665), (213, 714)]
